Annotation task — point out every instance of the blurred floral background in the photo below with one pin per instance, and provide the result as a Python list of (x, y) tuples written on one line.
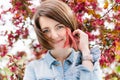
[(100, 19)]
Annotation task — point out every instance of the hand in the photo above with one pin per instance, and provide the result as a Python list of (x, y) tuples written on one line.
[(82, 41)]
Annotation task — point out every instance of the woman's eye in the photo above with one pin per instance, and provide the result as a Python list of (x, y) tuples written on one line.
[(45, 31), (59, 27)]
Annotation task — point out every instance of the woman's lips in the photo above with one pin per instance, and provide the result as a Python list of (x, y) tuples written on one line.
[(58, 41)]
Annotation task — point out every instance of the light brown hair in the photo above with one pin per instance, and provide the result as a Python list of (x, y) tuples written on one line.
[(56, 10)]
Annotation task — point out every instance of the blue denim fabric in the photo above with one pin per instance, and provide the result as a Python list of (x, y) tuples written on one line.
[(48, 68)]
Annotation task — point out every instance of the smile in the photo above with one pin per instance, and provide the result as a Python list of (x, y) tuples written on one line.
[(58, 41)]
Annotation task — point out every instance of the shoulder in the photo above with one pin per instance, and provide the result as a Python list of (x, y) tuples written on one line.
[(36, 63)]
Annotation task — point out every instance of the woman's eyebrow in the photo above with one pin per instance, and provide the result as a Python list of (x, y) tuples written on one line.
[(54, 26), (58, 24), (44, 28)]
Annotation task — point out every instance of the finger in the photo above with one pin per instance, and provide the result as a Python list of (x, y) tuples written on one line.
[(77, 32)]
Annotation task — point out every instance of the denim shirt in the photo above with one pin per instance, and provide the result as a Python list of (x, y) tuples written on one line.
[(48, 68)]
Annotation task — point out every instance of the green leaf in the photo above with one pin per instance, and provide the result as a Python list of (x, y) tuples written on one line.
[(114, 78), (118, 69), (5, 79), (7, 71)]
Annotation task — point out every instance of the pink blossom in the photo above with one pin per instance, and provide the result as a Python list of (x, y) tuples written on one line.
[(25, 33), (97, 22), (117, 1), (3, 50), (91, 36), (79, 7), (13, 68)]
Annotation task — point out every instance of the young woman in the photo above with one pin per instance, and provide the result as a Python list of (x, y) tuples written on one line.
[(68, 56)]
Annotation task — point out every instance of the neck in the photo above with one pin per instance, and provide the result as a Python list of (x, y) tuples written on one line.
[(61, 54)]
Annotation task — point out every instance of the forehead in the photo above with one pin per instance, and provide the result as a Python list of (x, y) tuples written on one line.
[(47, 22)]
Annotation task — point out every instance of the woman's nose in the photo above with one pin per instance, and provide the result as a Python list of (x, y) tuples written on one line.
[(54, 35)]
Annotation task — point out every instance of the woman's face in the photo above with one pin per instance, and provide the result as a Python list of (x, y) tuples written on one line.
[(53, 30)]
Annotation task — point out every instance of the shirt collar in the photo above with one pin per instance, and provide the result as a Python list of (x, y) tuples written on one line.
[(71, 56), (50, 59)]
